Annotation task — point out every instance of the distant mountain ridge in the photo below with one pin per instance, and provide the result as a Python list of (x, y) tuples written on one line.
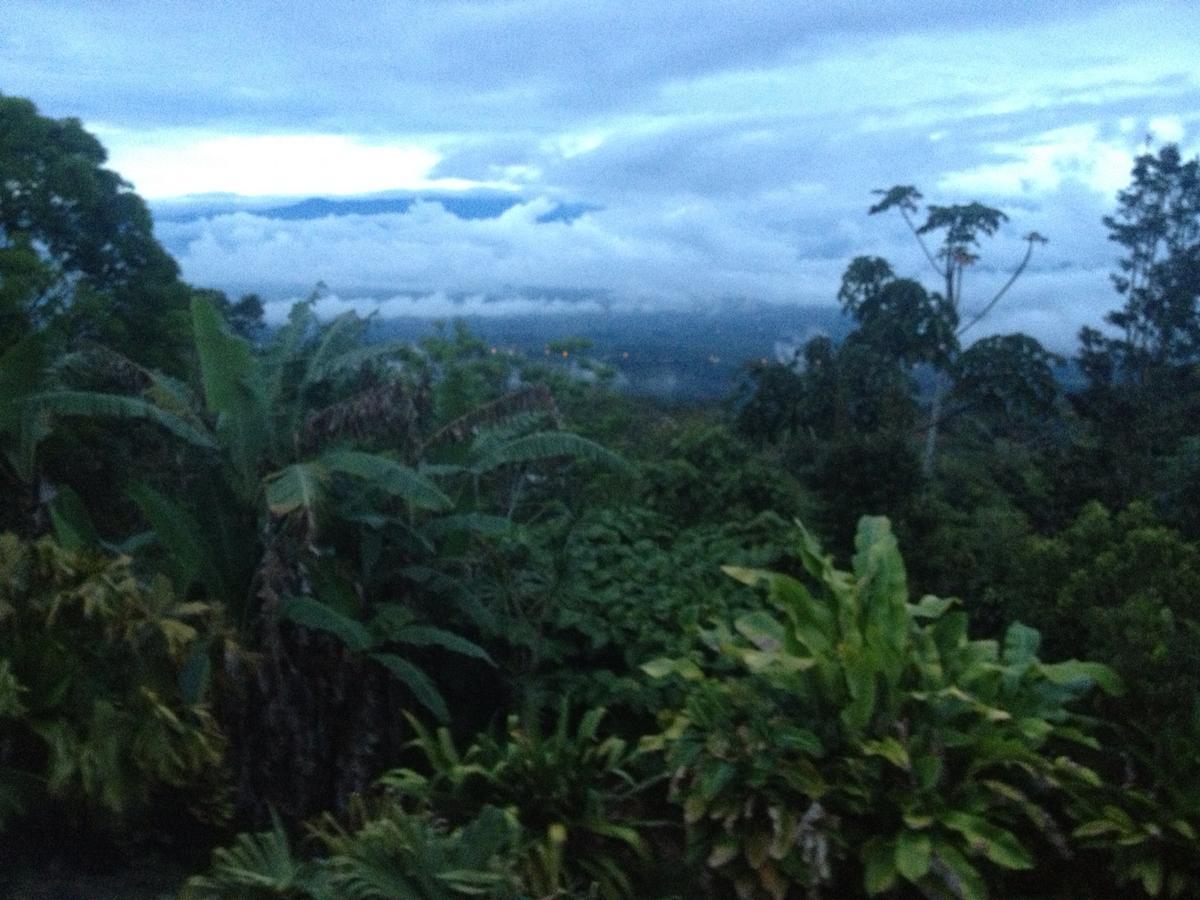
[(462, 206)]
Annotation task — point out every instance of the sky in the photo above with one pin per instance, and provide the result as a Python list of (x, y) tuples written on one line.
[(713, 152)]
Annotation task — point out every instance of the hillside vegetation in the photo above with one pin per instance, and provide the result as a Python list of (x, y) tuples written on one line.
[(310, 616)]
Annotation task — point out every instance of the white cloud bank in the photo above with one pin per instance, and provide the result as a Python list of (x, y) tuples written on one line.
[(729, 150)]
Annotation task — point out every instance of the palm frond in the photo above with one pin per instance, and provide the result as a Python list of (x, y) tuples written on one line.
[(256, 865)]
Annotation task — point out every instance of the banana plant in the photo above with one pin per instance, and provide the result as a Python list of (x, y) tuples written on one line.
[(252, 424), (303, 463), (865, 737), (281, 427)]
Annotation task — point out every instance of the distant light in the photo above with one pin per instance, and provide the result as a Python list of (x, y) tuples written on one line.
[(565, 354), (625, 355)]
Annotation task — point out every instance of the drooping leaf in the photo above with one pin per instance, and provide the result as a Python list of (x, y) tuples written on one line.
[(179, 535), (997, 844), (95, 405), (761, 630), (73, 527), (879, 866), (389, 476), (429, 636), (417, 681), (547, 445), (914, 852), (960, 877), (315, 614)]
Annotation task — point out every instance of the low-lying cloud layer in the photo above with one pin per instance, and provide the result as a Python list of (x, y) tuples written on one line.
[(712, 151)]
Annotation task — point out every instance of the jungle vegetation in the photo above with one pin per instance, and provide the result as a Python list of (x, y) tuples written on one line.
[(314, 616)]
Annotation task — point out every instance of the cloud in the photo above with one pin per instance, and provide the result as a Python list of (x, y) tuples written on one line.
[(689, 255), (275, 165), (727, 151), (459, 65)]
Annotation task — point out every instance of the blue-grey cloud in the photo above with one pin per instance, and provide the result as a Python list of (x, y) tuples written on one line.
[(672, 153)]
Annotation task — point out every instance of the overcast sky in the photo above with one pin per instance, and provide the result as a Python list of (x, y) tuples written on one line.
[(725, 150)]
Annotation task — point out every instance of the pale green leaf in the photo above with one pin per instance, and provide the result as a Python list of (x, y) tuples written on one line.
[(1074, 671), (301, 486), (914, 853)]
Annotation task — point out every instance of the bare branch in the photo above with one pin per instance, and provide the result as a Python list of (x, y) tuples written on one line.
[(1032, 238)]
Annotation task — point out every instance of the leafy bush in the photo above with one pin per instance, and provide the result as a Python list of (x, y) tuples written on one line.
[(388, 853), (570, 790), (707, 474), (101, 686), (1127, 589), (867, 740), (1122, 588), (582, 601)]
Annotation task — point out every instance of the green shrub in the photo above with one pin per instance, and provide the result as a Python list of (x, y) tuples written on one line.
[(867, 741), (101, 682), (570, 789), (386, 853)]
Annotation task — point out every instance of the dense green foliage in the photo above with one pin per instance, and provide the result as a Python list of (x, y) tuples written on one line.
[(867, 739), (374, 596), (99, 696)]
